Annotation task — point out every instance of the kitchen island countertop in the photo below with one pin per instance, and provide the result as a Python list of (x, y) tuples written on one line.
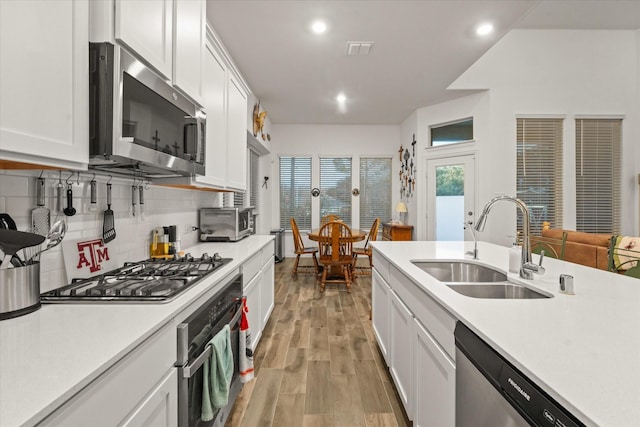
[(48, 356), (582, 349)]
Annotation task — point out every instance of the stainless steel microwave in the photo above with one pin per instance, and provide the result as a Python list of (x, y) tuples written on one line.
[(225, 224), (139, 123)]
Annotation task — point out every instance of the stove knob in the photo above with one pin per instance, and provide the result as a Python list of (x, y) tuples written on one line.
[(217, 257), (205, 257), (187, 257)]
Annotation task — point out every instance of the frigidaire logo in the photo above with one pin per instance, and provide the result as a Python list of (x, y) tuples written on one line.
[(91, 253), (519, 389)]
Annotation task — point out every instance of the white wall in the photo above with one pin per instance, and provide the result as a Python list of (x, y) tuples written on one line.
[(330, 140), (558, 72), (163, 206), (408, 129)]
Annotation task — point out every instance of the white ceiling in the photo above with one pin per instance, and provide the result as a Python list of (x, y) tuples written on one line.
[(420, 47)]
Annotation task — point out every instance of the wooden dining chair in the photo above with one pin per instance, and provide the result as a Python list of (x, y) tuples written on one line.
[(299, 249), (328, 218), (366, 250), (335, 247)]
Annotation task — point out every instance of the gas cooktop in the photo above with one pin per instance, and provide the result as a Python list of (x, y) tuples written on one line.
[(148, 281)]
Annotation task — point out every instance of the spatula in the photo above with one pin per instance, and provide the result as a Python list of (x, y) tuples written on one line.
[(108, 222), (40, 215), (11, 241)]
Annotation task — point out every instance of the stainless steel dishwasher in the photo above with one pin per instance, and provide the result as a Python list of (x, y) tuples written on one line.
[(490, 392)]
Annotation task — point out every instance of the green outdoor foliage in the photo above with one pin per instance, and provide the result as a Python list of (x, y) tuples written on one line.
[(450, 181)]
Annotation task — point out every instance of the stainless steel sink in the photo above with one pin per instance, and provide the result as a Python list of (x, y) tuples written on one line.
[(496, 291), (461, 271)]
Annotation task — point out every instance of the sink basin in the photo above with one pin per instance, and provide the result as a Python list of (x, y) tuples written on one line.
[(496, 291), (461, 271)]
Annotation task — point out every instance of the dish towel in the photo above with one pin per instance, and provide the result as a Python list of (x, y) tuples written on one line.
[(217, 373), (246, 354), (626, 252)]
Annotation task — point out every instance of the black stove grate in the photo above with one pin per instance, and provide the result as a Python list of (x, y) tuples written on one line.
[(151, 280)]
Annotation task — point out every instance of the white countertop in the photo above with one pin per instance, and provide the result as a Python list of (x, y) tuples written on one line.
[(582, 349), (49, 355)]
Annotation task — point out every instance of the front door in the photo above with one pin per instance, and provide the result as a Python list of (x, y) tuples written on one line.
[(450, 197)]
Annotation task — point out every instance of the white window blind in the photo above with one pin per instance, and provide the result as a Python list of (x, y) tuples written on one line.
[(295, 192), (375, 190), (238, 199), (335, 187), (539, 170), (598, 158)]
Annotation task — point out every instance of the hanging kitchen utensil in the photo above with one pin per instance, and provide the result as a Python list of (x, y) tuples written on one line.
[(7, 222), (40, 215), (54, 237), (59, 195), (69, 210), (108, 222), (141, 201), (93, 206), (134, 193), (11, 241)]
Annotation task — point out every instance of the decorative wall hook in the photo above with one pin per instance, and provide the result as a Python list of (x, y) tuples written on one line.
[(355, 192), (315, 192)]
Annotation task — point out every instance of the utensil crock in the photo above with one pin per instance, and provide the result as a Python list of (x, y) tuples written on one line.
[(19, 290)]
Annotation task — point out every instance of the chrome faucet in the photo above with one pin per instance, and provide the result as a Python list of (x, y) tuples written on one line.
[(474, 252), (527, 267)]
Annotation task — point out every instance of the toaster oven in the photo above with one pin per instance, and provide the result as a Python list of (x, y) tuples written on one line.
[(225, 224)]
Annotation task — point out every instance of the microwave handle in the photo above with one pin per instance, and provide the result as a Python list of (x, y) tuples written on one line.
[(191, 368)]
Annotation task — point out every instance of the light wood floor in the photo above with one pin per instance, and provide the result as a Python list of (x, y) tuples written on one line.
[(317, 363)]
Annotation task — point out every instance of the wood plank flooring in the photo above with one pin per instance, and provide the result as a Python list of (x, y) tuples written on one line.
[(317, 363)]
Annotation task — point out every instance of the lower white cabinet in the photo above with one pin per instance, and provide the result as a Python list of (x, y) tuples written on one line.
[(139, 388), (401, 351), (258, 287), (435, 382), (380, 302), (160, 407)]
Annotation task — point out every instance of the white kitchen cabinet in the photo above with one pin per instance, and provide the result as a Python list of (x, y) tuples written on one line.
[(258, 287), (380, 303), (136, 388), (146, 27), (401, 355), (159, 408), (236, 135), (44, 82), (435, 382), (190, 40)]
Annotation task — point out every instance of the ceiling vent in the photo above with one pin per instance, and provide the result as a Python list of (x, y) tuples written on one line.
[(359, 48)]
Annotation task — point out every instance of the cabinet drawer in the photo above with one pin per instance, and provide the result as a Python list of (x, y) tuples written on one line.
[(251, 267), (381, 265), (432, 315)]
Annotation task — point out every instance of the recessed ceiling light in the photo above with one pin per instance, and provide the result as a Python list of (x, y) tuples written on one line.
[(341, 98), (319, 27), (484, 29)]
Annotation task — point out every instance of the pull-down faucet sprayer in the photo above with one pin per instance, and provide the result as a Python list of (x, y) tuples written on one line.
[(527, 267)]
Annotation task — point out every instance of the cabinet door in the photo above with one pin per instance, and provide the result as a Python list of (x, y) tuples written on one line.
[(252, 292), (160, 407), (401, 351), (435, 387), (146, 27), (236, 136), (267, 291), (44, 83), (190, 33), (214, 104), (380, 301)]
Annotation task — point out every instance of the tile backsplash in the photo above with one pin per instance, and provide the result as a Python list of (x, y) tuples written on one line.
[(162, 206)]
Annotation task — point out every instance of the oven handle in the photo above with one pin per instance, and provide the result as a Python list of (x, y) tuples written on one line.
[(192, 367)]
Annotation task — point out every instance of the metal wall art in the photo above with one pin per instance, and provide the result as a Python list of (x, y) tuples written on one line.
[(408, 169)]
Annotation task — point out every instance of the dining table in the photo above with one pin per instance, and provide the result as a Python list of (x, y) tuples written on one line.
[(356, 236)]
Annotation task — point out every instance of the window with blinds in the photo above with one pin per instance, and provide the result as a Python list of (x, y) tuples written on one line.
[(238, 199), (254, 179), (295, 192), (335, 187), (598, 163), (539, 171), (375, 190)]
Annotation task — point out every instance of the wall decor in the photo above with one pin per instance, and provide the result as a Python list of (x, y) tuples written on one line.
[(407, 170), (258, 122)]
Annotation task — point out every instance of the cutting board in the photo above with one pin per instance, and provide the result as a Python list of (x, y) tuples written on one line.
[(88, 257)]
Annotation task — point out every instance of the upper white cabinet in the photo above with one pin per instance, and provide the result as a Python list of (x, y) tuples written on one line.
[(225, 102), (170, 35), (44, 82), (146, 27), (236, 135)]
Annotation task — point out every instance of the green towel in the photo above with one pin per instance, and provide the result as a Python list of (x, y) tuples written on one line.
[(217, 374)]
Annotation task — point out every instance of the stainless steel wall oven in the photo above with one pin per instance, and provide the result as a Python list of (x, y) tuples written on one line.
[(194, 334)]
